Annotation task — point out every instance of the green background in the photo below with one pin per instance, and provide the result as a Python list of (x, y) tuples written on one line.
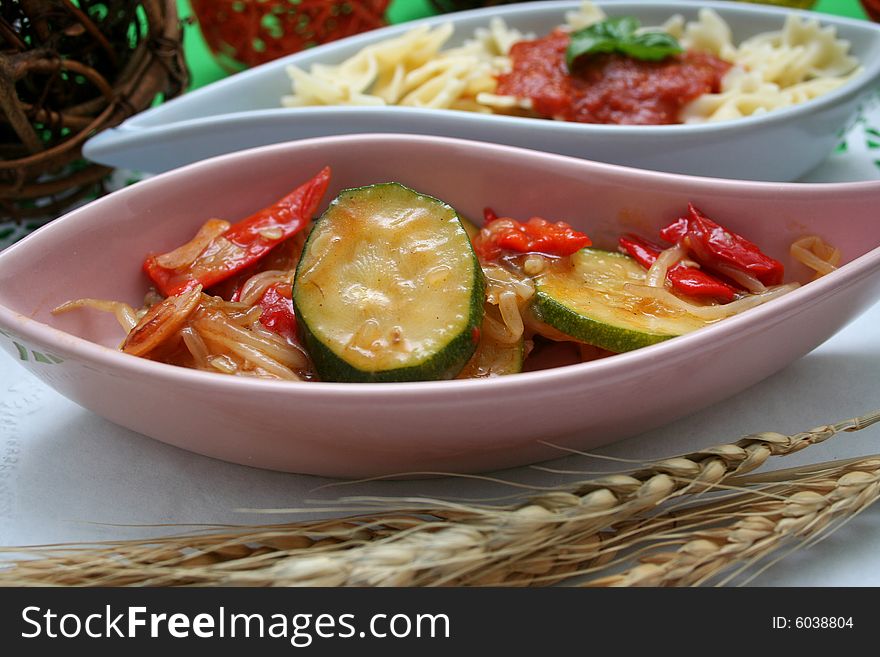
[(205, 70)]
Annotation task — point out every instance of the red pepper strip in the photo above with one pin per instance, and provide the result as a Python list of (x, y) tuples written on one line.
[(278, 315), (713, 245), (283, 257), (687, 280), (534, 236), (489, 215), (245, 242), (675, 231), (539, 235)]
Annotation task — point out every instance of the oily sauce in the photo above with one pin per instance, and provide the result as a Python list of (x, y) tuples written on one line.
[(608, 87)]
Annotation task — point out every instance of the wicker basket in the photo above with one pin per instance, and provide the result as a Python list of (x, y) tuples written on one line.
[(67, 71)]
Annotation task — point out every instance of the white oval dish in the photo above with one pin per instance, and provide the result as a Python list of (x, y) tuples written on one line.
[(244, 110), (354, 430)]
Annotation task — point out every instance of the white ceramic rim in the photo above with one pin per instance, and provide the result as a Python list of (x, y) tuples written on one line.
[(857, 85)]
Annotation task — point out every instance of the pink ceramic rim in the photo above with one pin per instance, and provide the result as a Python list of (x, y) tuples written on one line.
[(678, 348)]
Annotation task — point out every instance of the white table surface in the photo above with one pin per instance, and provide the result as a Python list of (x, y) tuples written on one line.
[(67, 474)]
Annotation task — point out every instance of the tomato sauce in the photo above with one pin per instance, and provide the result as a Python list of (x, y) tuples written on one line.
[(607, 88)]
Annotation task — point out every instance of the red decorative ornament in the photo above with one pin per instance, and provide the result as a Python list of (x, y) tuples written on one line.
[(244, 33), (872, 8)]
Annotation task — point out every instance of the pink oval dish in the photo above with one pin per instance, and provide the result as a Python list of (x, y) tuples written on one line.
[(355, 430)]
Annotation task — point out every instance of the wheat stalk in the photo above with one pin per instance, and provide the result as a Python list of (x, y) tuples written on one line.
[(721, 541), (577, 528)]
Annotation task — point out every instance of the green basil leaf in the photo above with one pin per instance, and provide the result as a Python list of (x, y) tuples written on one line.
[(593, 44), (621, 28), (619, 35), (651, 45)]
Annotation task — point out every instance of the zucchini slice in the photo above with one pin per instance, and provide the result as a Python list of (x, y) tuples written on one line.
[(586, 299), (469, 227), (388, 288)]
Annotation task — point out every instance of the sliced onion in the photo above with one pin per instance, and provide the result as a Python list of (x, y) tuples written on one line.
[(271, 234), (500, 279), (668, 258), (125, 314), (711, 312), (258, 329), (186, 254), (196, 347), (247, 318), (223, 363), (256, 285), (534, 264), (216, 334), (498, 331), (743, 279), (510, 314), (215, 326), (813, 252), (364, 337), (162, 322)]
